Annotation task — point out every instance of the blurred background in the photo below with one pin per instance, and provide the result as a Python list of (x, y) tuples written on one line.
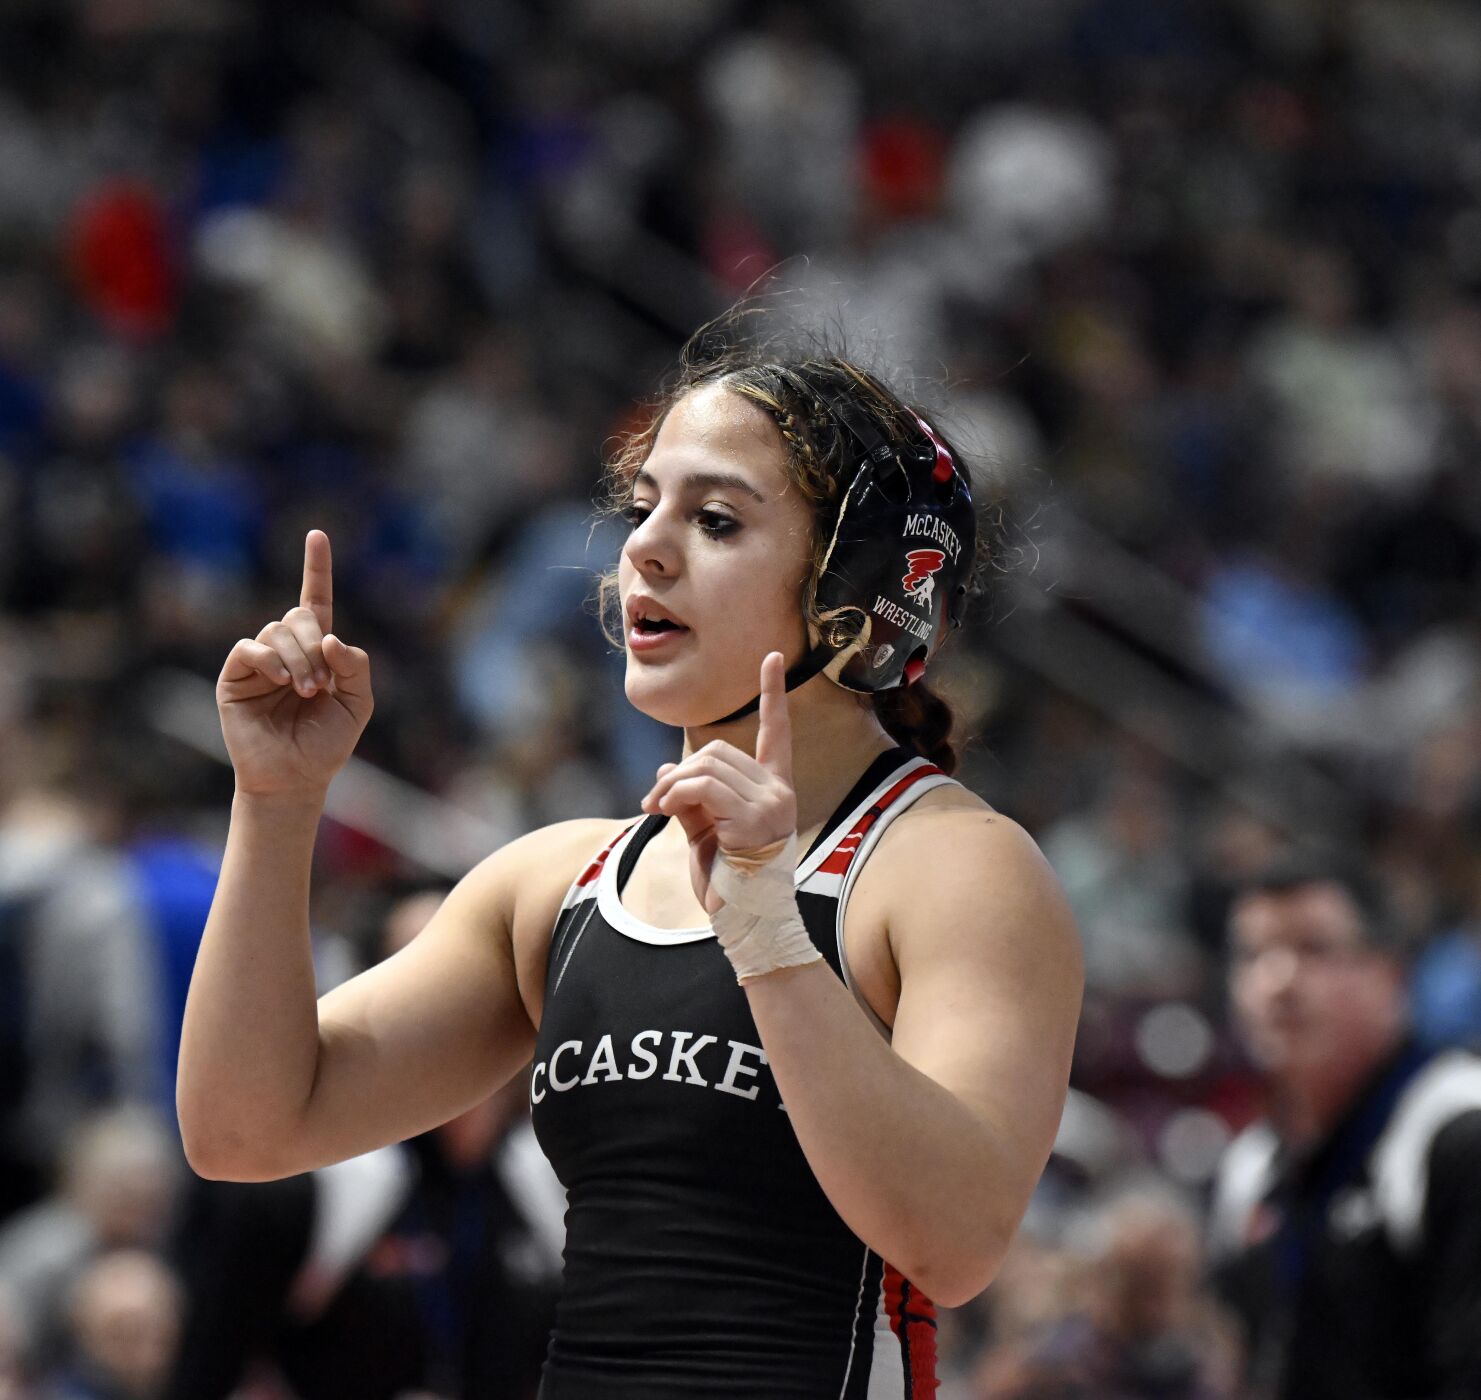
[(1196, 285)]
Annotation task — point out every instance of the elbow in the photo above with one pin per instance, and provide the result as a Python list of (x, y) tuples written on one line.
[(228, 1158), (954, 1275), (957, 1286), (218, 1152), (214, 1157)]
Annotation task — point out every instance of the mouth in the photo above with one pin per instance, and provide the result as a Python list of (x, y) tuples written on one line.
[(649, 634)]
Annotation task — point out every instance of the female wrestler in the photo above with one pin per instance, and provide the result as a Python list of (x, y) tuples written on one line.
[(775, 1163)]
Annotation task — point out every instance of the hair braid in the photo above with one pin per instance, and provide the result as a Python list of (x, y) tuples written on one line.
[(916, 716)]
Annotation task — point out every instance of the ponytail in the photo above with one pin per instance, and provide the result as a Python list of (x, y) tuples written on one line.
[(915, 716)]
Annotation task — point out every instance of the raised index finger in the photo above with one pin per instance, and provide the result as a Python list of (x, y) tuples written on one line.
[(318, 579), (774, 733)]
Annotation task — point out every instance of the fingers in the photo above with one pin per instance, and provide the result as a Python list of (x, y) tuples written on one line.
[(317, 594), (288, 644), (721, 762), (350, 665), (250, 659), (719, 801), (774, 735)]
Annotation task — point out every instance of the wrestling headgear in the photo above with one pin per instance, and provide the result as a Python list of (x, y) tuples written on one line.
[(901, 550)]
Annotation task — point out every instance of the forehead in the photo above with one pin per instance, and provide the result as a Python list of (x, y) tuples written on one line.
[(711, 426), (1322, 909)]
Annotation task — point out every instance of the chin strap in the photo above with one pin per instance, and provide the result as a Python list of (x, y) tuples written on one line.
[(803, 671)]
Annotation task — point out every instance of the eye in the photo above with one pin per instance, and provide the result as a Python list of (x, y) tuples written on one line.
[(716, 525), (712, 523)]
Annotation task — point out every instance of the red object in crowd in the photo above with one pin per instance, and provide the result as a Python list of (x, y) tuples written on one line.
[(118, 248), (903, 162), (734, 249)]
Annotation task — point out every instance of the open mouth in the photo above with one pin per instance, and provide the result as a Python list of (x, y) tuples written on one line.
[(657, 624)]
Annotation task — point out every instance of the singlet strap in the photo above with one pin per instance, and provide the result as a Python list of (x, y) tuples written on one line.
[(838, 867)]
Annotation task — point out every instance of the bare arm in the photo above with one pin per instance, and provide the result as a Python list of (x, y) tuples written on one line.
[(272, 1083), (930, 1147)]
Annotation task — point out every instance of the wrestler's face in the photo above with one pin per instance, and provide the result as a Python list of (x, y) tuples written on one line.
[(1307, 988), (721, 540)]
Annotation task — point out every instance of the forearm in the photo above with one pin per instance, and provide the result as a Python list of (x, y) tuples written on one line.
[(249, 1045), (915, 1173)]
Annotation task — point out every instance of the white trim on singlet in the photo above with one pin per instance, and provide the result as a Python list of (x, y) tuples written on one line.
[(853, 1336), (852, 819), (613, 912), (871, 839), (610, 902), (887, 1370)]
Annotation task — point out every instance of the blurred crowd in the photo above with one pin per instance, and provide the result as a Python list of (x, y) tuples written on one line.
[(1196, 286)]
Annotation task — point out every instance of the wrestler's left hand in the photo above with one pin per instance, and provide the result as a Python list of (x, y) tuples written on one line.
[(724, 798)]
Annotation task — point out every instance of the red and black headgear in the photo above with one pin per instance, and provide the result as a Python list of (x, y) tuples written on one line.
[(901, 548)]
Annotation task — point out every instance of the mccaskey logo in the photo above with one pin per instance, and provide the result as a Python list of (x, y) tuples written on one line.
[(732, 1068), (919, 586), (933, 527)]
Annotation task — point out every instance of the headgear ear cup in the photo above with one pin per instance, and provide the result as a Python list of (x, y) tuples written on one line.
[(901, 553)]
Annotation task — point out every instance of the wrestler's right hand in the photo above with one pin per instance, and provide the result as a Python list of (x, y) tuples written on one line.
[(294, 700)]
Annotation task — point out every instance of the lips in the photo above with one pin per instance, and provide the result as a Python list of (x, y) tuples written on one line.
[(646, 615), (642, 642)]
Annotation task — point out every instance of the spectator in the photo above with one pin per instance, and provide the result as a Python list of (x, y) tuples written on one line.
[(1346, 1224), (125, 1324), (119, 1178), (79, 984), (1142, 1329)]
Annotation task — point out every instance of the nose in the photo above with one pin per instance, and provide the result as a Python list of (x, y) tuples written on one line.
[(651, 549), (1275, 970)]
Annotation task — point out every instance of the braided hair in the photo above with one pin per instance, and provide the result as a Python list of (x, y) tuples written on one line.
[(820, 459)]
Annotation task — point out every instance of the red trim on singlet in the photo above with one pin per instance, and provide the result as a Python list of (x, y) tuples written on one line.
[(595, 868), (913, 1320), (843, 854)]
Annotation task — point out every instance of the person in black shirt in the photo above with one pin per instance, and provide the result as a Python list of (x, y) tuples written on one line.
[(1346, 1225)]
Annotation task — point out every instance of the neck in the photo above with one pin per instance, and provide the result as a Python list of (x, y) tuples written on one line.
[(1307, 1104), (835, 736)]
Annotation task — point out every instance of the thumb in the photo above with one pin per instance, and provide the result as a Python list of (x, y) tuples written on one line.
[(695, 823), (345, 661)]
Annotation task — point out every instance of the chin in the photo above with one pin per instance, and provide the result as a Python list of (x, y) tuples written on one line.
[(662, 695)]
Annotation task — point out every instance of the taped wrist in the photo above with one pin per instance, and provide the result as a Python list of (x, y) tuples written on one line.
[(760, 926)]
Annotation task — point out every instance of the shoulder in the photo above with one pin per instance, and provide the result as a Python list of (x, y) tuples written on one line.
[(1432, 1134), (539, 867), (1455, 1157), (950, 866)]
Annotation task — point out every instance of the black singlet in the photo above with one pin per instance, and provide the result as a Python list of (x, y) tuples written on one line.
[(702, 1258)]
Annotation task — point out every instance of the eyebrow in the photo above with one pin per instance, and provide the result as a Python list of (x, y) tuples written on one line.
[(694, 481)]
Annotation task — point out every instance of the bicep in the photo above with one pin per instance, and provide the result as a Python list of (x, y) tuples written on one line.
[(430, 1031), (990, 984)]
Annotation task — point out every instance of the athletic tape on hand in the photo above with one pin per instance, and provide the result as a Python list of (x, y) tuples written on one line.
[(760, 926)]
